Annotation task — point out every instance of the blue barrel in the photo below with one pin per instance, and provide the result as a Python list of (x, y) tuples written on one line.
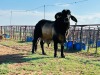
[(78, 46), (70, 44), (29, 39), (6, 36), (90, 42), (98, 43)]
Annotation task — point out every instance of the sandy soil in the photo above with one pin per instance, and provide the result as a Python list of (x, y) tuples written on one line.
[(14, 55)]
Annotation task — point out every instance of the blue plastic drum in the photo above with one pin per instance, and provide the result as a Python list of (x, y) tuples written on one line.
[(29, 39), (6, 36), (98, 43), (90, 42), (78, 46), (70, 44)]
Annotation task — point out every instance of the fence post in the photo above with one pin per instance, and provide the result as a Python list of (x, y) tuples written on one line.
[(1, 29), (20, 32)]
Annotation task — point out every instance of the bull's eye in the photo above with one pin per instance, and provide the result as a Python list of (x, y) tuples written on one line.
[(66, 20)]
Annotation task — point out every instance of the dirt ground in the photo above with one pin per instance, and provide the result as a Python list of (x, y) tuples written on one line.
[(19, 52), (4, 50), (15, 54)]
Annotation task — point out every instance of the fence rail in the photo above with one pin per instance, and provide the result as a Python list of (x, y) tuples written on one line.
[(87, 34), (17, 32), (21, 32)]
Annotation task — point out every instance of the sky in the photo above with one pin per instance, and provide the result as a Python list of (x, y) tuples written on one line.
[(29, 12)]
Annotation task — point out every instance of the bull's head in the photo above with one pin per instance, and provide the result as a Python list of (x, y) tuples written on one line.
[(65, 15)]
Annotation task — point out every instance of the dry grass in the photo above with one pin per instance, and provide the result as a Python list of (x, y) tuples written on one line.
[(16, 59)]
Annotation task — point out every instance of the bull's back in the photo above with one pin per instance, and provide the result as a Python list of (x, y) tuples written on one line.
[(44, 29), (48, 31)]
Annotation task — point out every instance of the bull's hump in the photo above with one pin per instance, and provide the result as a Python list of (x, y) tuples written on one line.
[(47, 31)]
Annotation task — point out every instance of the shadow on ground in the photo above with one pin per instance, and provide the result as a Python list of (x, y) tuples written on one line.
[(69, 51), (17, 58), (11, 58)]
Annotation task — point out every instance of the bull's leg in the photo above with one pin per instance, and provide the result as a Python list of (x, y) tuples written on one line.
[(55, 49), (62, 54), (34, 46), (42, 46), (48, 44)]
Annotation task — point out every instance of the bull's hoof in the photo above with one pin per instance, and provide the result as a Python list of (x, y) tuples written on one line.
[(44, 53), (32, 52), (63, 56), (55, 56)]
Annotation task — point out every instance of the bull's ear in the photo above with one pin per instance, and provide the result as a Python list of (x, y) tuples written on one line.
[(58, 15), (73, 18)]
